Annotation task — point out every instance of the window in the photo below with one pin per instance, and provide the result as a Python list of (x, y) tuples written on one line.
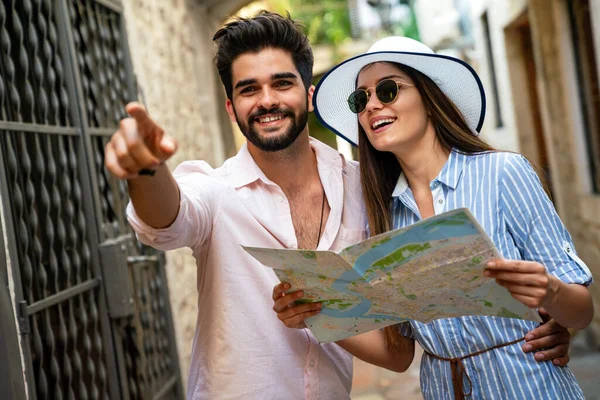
[(588, 85)]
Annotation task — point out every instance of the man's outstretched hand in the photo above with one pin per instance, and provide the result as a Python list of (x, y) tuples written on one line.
[(140, 143), (550, 341)]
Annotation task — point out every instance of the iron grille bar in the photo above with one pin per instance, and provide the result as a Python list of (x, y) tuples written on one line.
[(10, 251), (11, 380), (140, 260), (111, 4), (166, 389), (37, 128), (68, 74), (101, 131), (63, 295)]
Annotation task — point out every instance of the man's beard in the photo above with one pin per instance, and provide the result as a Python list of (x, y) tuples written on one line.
[(279, 142)]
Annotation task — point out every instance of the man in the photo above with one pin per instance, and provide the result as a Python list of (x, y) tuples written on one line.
[(283, 189)]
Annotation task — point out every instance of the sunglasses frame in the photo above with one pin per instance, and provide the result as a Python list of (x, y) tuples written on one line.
[(368, 92)]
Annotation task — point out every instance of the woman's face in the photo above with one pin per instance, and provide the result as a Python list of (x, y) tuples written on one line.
[(404, 121)]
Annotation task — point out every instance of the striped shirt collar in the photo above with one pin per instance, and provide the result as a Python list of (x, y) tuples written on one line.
[(449, 175)]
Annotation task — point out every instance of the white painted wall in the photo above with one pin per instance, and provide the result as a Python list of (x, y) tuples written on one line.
[(499, 13), (437, 20), (368, 18)]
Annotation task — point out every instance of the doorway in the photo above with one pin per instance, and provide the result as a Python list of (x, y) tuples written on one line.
[(524, 84)]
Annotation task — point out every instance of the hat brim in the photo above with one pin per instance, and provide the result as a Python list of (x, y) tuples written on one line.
[(453, 76)]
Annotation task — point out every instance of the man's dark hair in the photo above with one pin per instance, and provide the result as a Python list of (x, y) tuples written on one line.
[(264, 30)]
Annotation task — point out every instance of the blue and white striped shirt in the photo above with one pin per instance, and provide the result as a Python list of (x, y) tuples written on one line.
[(505, 195)]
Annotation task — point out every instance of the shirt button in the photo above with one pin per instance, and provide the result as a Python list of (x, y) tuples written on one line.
[(312, 363), (441, 201)]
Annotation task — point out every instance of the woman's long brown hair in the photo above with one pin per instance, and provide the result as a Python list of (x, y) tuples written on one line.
[(379, 170)]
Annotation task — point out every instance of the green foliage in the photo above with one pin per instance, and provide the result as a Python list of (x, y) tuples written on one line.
[(325, 21), (330, 25), (410, 29), (328, 21)]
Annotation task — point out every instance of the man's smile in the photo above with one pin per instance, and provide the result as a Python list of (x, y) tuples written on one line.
[(270, 119)]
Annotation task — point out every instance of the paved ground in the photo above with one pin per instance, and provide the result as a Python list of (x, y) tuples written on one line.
[(585, 364), (372, 383)]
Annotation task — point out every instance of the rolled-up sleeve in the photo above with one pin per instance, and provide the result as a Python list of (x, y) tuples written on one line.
[(534, 224), (406, 329), (199, 198)]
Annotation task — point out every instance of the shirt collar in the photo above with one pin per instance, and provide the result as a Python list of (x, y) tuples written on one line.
[(244, 170), (401, 185), (449, 175), (452, 171)]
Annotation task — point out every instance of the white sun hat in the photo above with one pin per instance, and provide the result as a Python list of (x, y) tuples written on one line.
[(453, 76)]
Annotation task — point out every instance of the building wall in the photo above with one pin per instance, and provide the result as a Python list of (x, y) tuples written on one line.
[(172, 53), (505, 136), (559, 108), (437, 21), (439, 28), (536, 92)]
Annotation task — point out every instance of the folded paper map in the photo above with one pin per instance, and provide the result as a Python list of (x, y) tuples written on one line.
[(432, 269)]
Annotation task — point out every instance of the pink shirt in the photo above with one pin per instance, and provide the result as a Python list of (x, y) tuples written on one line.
[(241, 350)]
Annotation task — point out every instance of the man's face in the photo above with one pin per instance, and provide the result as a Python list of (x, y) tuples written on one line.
[(269, 100)]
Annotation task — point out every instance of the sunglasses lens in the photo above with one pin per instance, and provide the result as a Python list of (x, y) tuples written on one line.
[(387, 91), (357, 101)]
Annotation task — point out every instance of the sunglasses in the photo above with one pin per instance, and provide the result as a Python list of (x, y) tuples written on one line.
[(386, 91)]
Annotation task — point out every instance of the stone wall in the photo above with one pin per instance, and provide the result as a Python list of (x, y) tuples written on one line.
[(587, 234), (558, 105), (171, 49), (579, 208)]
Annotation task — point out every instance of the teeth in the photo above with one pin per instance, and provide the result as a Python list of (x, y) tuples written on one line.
[(382, 121), (269, 119)]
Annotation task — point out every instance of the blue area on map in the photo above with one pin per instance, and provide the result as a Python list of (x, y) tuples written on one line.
[(418, 234), (421, 233), (341, 285)]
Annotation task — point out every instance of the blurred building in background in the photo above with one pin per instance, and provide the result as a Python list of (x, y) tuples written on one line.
[(539, 61)]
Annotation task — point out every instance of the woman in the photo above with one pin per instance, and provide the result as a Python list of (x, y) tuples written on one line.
[(415, 116)]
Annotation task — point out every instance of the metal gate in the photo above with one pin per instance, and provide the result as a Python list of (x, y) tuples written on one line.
[(92, 303)]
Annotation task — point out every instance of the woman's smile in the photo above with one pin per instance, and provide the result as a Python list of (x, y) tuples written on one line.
[(381, 123)]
